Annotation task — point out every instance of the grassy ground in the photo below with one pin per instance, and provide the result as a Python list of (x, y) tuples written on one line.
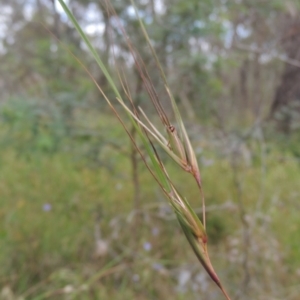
[(53, 205)]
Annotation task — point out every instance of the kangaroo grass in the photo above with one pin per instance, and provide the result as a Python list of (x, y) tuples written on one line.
[(176, 144)]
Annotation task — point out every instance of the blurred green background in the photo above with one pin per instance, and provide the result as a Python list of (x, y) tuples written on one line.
[(81, 218)]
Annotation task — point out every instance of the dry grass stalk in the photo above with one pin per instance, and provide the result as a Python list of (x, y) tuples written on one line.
[(177, 143)]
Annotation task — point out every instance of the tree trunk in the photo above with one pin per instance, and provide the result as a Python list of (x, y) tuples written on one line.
[(286, 103)]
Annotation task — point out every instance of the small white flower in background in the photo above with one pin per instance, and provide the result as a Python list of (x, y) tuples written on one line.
[(6, 293), (136, 277), (183, 278), (147, 246), (68, 289), (201, 281), (101, 248), (47, 207)]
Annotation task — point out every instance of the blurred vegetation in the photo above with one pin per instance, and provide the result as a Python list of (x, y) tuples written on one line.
[(75, 221)]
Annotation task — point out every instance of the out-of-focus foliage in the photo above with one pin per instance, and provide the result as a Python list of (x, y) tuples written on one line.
[(70, 227), (228, 56)]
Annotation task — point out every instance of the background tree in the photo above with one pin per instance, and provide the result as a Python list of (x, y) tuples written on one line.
[(286, 101)]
